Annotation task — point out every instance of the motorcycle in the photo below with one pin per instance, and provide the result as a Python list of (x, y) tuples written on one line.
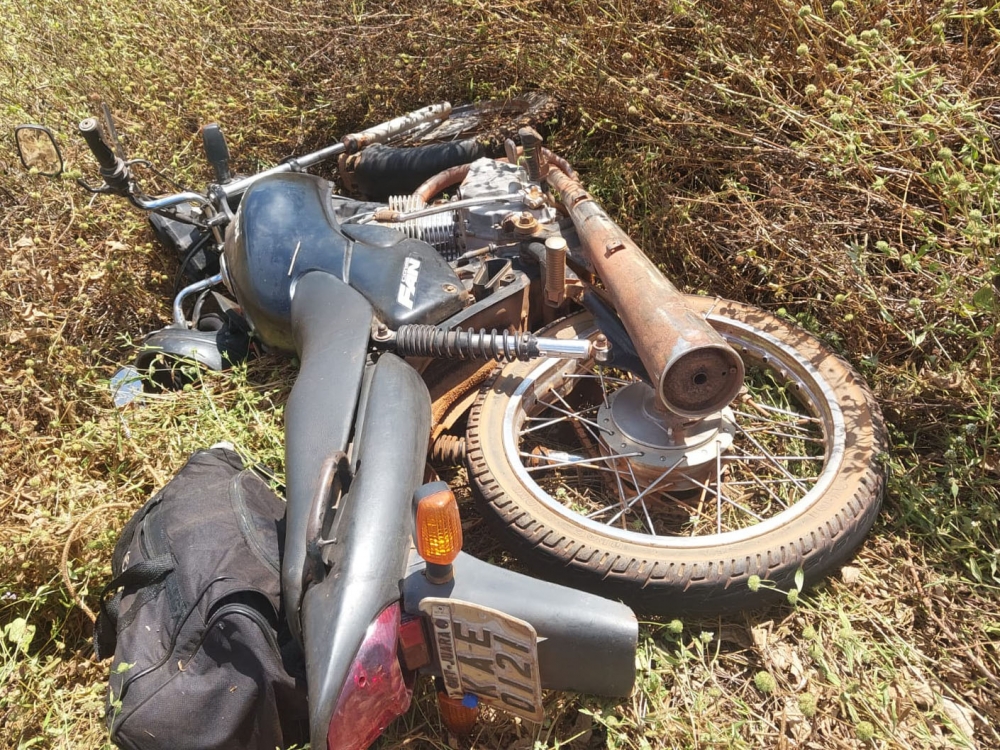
[(682, 454)]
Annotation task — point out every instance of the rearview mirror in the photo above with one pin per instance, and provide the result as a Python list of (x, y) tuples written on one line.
[(36, 145)]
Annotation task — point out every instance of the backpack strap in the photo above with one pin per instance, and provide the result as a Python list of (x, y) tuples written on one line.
[(139, 576)]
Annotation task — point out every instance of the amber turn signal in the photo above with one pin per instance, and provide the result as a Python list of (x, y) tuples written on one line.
[(456, 715), (439, 528)]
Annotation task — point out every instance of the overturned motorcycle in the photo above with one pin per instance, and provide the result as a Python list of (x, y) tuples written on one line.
[(622, 438)]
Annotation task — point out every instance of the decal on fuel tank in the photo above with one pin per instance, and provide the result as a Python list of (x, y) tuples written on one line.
[(408, 282)]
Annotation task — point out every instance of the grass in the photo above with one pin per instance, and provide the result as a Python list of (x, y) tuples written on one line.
[(836, 163)]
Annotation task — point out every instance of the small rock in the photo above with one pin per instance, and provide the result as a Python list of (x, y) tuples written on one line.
[(850, 575)]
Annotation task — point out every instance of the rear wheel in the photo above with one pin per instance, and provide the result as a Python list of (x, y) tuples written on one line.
[(593, 484)]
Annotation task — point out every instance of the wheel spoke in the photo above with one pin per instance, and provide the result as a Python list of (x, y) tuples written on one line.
[(718, 478), (595, 407), (765, 452), (796, 425), (543, 423), (642, 501), (764, 486), (728, 501), (645, 492), (587, 424), (586, 463), (601, 511), (770, 458), (770, 480), (649, 520), (621, 497), (786, 412), (771, 433), (569, 411)]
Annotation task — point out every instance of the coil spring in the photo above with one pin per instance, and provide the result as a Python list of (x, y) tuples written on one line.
[(441, 343), (448, 450), (437, 230)]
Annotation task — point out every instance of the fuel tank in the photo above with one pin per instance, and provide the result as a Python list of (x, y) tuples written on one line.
[(285, 227)]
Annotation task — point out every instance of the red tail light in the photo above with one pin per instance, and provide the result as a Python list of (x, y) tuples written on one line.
[(375, 692)]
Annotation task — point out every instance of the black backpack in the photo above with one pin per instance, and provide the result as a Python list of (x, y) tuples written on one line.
[(202, 658)]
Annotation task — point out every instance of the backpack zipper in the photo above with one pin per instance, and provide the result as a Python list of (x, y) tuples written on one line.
[(241, 609)]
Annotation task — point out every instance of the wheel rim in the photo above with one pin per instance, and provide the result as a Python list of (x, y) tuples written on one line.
[(787, 446)]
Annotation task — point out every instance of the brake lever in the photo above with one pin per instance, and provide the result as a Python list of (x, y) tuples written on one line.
[(104, 189), (112, 131)]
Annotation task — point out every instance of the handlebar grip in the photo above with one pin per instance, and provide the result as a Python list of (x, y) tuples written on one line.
[(217, 151), (381, 133), (91, 132)]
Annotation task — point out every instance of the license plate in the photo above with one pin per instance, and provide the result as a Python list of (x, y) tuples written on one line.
[(488, 653)]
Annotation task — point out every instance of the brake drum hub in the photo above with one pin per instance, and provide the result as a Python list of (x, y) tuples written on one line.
[(633, 421)]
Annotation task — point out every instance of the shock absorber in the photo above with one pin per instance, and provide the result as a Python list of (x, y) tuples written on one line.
[(503, 346), (448, 450)]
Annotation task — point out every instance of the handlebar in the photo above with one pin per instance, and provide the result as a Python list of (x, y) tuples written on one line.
[(349, 145), (91, 133), (116, 172), (381, 133), (113, 170)]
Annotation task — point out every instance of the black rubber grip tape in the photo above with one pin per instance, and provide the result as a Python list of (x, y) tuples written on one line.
[(91, 133)]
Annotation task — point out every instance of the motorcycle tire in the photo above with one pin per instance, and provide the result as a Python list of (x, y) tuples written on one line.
[(799, 453)]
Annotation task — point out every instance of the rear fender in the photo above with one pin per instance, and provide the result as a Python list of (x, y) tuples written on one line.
[(586, 643)]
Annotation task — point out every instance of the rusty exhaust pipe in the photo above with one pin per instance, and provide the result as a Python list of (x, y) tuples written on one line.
[(696, 373)]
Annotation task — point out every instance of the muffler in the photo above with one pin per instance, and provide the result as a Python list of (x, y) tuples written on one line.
[(695, 372)]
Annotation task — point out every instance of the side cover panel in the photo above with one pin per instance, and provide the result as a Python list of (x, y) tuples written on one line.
[(285, 227), (332, 323), (372, 532)]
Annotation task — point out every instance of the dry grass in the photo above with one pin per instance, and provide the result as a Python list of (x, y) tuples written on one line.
[(837, 163)]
